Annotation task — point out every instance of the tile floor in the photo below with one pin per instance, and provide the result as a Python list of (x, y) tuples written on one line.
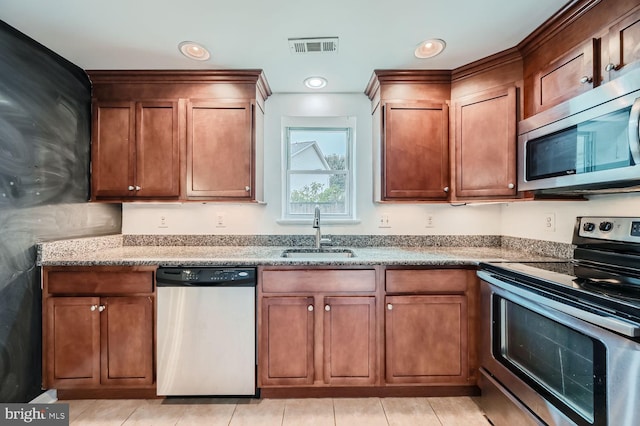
[(290, 412)]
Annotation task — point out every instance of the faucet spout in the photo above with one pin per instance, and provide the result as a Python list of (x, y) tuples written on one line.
[(316, 225), (316, 217)]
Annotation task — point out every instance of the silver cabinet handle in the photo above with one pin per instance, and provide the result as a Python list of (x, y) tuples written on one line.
[(445, 189), (138, 188), (247, 188), (511, 186), (93, 307), (131, 188), (327, 308), (389, 307), (101, 308), (611, 67), (585, 79), (310, 308)]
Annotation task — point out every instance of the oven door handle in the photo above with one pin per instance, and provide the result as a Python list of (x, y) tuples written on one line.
[(623, 327)]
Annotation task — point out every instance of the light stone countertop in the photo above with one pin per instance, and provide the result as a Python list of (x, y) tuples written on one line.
[(271, 255)]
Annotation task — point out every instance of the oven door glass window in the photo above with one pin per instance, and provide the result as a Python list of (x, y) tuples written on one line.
[(562, 364)]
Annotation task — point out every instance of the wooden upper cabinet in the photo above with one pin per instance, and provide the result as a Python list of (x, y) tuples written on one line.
[(415, 152), (135, 150), (624, 46), (570, 75), (220, 149), (178, 135), (485, 144)]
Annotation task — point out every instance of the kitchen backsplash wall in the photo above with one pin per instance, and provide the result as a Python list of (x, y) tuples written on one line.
[(44, 184)]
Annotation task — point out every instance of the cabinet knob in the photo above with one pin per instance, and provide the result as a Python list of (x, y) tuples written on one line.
[(327, 308), (611, 67), (389, 307), (101, 308), (131, 188), (585, 79), (138, 188), (445, 189), (247, 188), (93, 307), (310, 308), (511, 186)]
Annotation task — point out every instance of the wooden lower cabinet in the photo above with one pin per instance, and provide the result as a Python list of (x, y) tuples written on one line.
[(431, 326), (287, 341), (426, 339), (97, 336), (325, 336)]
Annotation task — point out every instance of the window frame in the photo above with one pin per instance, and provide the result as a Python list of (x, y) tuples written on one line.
[(319, 124)]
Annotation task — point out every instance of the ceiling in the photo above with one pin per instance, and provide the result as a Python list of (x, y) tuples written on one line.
[(373, 34)]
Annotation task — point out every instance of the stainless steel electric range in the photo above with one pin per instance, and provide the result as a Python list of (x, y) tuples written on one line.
[(560, 341)]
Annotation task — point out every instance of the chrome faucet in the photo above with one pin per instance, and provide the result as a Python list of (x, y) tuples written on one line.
[(316, 225)]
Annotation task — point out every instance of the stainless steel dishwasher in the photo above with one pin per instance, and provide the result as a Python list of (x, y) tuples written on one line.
[(206, 331)]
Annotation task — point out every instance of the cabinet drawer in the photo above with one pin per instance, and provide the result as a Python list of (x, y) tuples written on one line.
[(99, 283), (426, 281), (325, 280)]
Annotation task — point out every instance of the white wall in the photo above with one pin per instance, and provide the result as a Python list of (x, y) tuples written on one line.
[(201, 218), (528, 219)]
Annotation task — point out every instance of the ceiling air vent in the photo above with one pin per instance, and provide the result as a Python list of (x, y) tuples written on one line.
[(313, 45)]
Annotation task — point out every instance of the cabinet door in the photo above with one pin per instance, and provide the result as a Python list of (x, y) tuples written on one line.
[(113, 149), (566, 77), (285, 354), (220, 149), (127, 340), (349, 340), (426, 339), (624, 46), (157, 150), (72, 341), (485, 144), (415, 151)]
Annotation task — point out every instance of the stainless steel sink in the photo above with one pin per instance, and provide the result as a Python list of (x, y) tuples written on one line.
[(323, 253)]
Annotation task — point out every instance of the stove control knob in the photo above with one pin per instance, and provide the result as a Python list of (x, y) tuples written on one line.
[(606, 226), (588, 226)]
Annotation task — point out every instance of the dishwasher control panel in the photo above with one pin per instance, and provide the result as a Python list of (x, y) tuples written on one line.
[(203, 276)]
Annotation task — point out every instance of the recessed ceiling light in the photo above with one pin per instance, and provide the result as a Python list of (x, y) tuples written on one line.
[(429, 48), (193, 50), (315, 82)]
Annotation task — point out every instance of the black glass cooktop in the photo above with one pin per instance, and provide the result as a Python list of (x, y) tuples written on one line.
[(602, 286)]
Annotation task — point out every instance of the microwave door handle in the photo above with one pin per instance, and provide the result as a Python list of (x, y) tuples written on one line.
[(634, 131)]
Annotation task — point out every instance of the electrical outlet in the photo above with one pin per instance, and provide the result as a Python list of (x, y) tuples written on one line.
[(162, 222), (550, 222), (431, 221), (220, 220), (384, 221)]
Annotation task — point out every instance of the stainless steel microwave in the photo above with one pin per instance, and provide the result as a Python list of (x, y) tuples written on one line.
[(590, 143)]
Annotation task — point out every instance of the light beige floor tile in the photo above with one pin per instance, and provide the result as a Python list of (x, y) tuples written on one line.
[(207, 414), (359, 411), (108, 412), (409, 412), (263, 412), (309, 412), (155, 415), (77, 406), (459, 411)]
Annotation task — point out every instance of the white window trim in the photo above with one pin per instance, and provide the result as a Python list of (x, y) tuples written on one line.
[(319, 123)]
